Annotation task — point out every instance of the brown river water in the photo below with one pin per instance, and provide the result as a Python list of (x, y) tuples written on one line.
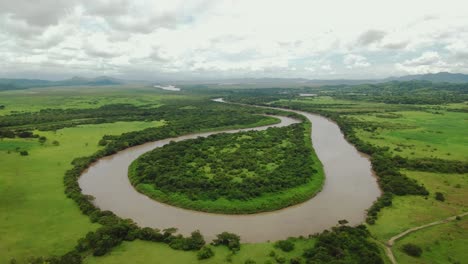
[(350, 188)]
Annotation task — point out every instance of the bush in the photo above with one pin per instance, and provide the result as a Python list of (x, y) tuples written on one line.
[(285, 245), (439, 196), (250, 261), (232, 241), (24, 153), (412, 250), (205, 253)]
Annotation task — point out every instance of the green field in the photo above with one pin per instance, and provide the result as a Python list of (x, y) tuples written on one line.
[(421, 134), (445, 243), (37, 219), (140, 252), (428, 132)]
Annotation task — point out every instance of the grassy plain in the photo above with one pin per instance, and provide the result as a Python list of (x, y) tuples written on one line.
[(416, 131), (31, 100), (141, 252), (445, 243), (37, 219)]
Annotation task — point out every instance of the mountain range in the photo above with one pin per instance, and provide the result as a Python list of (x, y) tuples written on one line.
[(13, 84)]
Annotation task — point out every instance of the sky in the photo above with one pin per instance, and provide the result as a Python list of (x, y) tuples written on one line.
[(217, 39)]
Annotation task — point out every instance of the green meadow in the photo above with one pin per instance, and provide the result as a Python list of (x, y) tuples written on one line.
[(141, 252), (37, 219), (415, 131), (445, 243)]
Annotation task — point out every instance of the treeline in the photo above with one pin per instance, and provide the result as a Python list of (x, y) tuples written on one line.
[(409, 92), (182, 112), (431, 164), (344, 244), (238, 166)]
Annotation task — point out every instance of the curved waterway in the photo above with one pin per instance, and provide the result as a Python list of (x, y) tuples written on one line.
[(350, 188)]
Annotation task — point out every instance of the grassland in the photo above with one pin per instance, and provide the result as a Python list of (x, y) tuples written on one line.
[(416, 131), (445, 243), (141, 252), (37, 219)]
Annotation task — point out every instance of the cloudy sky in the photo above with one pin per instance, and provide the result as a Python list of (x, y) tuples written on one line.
[(156, 39)]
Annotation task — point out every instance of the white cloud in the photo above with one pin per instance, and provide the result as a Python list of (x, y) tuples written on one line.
[(355, 61), (233, 38), (428, 62)]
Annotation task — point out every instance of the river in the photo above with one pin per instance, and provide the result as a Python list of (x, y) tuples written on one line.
[(349, 189)]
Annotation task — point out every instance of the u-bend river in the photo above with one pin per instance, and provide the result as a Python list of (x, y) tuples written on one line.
[(349, 189)]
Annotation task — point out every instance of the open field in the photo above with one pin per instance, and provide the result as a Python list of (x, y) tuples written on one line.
[(141, 252), (31, 100), (445, 243), (420, 134), (37, 219), (414, 131)]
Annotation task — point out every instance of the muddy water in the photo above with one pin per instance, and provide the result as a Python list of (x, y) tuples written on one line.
[(349, 190)]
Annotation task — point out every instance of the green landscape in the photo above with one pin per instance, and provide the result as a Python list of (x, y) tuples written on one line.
[(237, 132), (424, 179)]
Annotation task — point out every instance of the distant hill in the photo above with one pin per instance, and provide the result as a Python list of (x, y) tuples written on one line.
[(434, 77), (12, 84)]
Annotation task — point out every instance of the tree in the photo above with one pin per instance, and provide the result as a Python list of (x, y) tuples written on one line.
[(285, 245), (343, 222), (232, 241), (205, 253), (412, 250), (439, 196)]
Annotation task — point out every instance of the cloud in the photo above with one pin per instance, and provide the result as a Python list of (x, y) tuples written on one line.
[(41, 14), (396, 45), (355, 61), (370, 37), (428, 62), (213, 38)]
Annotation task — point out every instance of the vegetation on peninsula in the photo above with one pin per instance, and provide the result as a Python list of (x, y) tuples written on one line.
[(245, 172)]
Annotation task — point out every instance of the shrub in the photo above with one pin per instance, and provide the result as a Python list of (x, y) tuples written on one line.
[(295, 260), (205, 253), (285, 245), (439, 196), (24, 153), (232, 241), (412, 250)]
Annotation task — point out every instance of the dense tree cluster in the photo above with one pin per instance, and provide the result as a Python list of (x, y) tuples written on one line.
[(230, 240), (285, 245), (187, 115), (410, 92), (344, 244), (238, 166), (412, 249)]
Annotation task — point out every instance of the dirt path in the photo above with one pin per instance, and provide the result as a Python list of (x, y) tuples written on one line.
[(391, 241)]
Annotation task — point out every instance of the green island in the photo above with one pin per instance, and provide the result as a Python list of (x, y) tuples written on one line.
[(245, 172), (414, 133)]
